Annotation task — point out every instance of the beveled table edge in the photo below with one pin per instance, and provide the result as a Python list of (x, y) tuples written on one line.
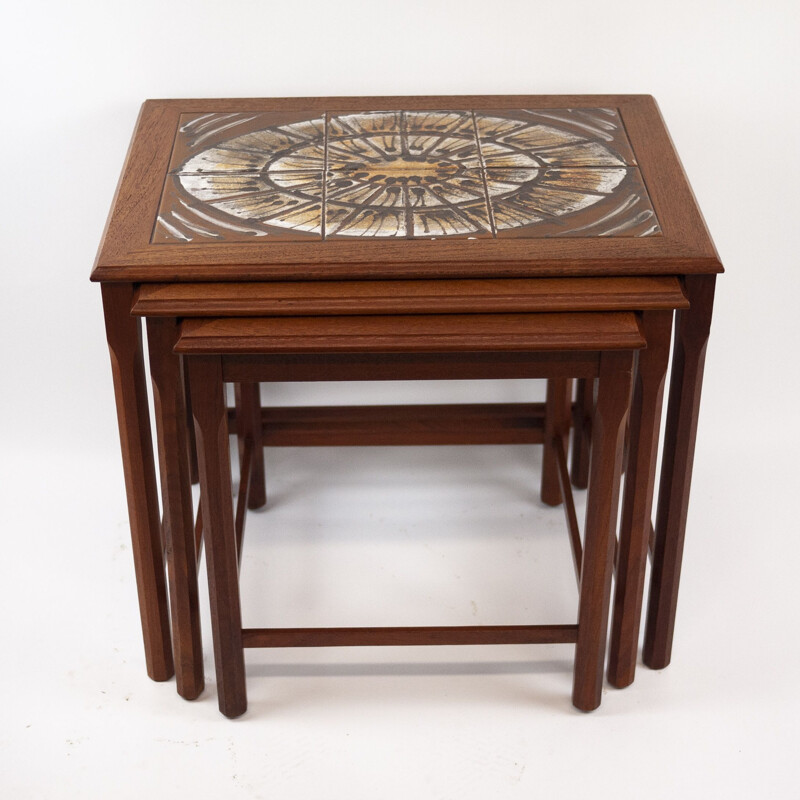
[(332, 298)]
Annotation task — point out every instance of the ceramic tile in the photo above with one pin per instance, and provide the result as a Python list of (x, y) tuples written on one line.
[(557, 137), (240, 207), (420, 204), (241, 142), (400, 140), (423, 203), (583, 202)]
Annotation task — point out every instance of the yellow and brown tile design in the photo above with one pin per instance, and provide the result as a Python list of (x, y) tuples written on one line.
[(406, 174)]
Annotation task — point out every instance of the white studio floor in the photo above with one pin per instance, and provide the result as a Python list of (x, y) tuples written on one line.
[(438, 535)]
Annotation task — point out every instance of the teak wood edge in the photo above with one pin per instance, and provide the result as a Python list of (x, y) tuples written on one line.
[(429, 333), (408, 297)]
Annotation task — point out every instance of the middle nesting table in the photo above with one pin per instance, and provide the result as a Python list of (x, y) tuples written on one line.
[(653, 298)]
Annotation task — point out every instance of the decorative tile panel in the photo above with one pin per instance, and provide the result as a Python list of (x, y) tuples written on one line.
[(403, 174)]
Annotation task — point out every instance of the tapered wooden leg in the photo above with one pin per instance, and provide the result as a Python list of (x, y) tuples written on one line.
[(581, 432), (176, 493), (637, 501), (191, 445), (248, 425), (211, 420), (556, 426), (124, 334), (692, 328), (608, 430)]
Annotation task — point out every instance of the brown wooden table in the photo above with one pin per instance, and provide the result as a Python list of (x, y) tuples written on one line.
[(297, 191), (589, 345)]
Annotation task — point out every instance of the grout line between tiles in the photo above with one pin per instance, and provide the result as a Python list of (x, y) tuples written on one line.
[(489, 208), (324, 209)]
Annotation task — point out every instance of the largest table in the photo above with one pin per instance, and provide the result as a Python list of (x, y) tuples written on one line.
[(390, 188)]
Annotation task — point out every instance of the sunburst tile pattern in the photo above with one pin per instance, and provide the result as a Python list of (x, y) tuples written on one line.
[(403, 174)]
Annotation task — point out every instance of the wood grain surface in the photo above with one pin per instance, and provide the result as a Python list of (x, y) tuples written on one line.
[(296, 298), (413, 334)]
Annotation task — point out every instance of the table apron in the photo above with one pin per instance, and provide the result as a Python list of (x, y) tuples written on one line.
[(408, 366)]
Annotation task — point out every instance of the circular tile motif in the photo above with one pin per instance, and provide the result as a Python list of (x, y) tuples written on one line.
[(405, 173)]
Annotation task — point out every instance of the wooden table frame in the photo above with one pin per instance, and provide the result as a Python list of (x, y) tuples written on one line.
[(124, 336), (127, 258), (585, 345), (163, 304), (692, 329)]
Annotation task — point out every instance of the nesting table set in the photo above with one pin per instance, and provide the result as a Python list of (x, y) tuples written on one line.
[(397, 238)]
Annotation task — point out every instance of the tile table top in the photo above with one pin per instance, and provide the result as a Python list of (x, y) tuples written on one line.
[(402, 187), (413, 174)]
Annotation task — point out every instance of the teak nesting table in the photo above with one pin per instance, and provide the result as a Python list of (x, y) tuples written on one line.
[(292, 210)]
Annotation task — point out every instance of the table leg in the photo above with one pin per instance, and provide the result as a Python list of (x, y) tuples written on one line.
[(608, 431), (581, 432), (191, 445), (124, 334), (692, 328), (248, 425), (211, 417), (176, 493), (558, 410), (637, 502)]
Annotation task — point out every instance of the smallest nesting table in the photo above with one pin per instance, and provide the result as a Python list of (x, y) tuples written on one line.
[(584, 346)]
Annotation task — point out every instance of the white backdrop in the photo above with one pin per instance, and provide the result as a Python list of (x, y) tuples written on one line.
[(79, 717)]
